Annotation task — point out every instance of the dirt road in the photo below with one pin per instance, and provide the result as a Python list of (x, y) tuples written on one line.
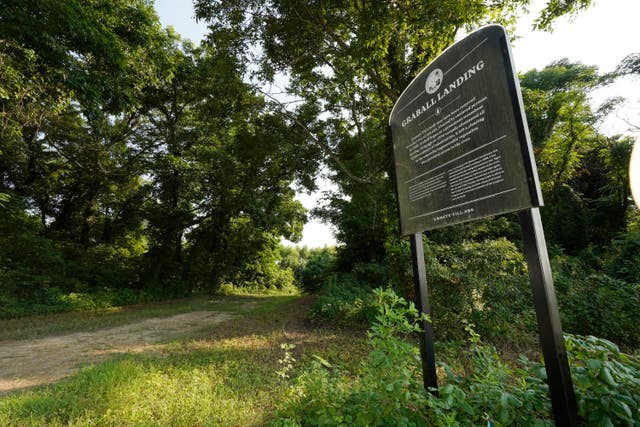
[(27, 363)]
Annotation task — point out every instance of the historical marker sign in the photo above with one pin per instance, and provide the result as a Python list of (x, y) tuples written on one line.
[(460, 141), (462, 152)]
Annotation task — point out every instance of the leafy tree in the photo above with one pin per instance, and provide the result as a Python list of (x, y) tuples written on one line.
[(220, 172), (629, 65), (583, 173), (138, 159), (556, 8), (347, 63), (70, 101)]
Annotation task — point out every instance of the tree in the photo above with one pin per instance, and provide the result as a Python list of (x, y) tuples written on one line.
[(138, 160), (70, 102), (220, 171), (557, 8), (582, 171), (347, 63), (629, 65)]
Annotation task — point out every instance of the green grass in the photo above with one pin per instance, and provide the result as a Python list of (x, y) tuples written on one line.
[(226, 378)]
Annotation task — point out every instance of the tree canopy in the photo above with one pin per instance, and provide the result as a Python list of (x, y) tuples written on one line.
[(348, 62), (131, 158)]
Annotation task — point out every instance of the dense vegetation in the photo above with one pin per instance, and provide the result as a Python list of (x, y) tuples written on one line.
[(137, 166), (131, 160), (480, 388)]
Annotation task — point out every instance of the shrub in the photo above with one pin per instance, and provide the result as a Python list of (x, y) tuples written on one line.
[(384, 394), (607, 382), (317, 268), (622, 260), (594, 303), (343, 301), (387, 390), (482, 282)]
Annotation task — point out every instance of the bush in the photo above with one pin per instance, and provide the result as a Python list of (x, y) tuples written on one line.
[(388, 388), (384, 394), (622, 260), (594, 303), (607, 382), (317, 268), (600, 305), (344, 302), (482, 282), (346, 299)]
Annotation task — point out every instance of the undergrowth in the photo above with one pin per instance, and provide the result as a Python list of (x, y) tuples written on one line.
[(387, 388)]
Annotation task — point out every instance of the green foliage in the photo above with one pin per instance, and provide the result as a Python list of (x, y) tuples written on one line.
[(491, 391), (346, 299), (629, 65), (607, 382), (487, 283), (584, 175), (52, 299), (287, 362), (135, 161), (482, 282), (557, 8), (368, 53), (348, 62), (343, 301), (317, 267), (265, 273), (600, 305), (384, 394), (387, 389), (622, 258)]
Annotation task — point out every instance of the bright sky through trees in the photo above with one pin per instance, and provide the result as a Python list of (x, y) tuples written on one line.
[(602, 35)]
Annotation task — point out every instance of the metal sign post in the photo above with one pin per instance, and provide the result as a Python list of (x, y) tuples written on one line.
[(427, 353), (462, 152), (563, 400)]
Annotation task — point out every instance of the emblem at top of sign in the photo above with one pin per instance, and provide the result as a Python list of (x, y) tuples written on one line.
[(434, 80)]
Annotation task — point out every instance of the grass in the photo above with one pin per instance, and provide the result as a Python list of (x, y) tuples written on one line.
[(225, 378)]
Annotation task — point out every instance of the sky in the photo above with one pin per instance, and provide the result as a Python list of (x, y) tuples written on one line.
[(602, 35)]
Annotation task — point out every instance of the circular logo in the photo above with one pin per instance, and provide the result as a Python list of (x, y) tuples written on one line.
[(433, 81)]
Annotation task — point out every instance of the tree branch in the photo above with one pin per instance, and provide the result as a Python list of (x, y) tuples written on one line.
[(323, 145)]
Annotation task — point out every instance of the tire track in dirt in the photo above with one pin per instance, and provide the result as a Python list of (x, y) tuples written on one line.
[(27, 363)]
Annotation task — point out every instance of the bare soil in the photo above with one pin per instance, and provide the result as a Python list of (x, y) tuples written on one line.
[(27, 363)]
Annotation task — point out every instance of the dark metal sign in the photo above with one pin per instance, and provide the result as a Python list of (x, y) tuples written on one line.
[(462, 152), (461, 148)]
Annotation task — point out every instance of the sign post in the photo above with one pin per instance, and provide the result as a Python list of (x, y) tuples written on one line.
[(563, 400), (462, 152), (427, 354)]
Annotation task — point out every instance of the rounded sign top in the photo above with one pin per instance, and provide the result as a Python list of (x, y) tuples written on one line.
[(461, 149)]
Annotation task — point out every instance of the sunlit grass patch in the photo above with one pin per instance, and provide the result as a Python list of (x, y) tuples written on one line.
[(227, 384), (134, 391), (225, 377)]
